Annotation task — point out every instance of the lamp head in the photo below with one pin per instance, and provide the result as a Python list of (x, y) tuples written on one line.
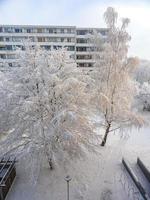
[(67, 178)]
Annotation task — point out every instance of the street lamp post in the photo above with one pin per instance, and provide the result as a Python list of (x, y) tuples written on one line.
[(67, 179)]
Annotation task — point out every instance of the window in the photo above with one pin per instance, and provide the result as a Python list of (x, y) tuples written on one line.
[(8, 30), (18, 30), (85, 64), (68, 30), (72, 39), (28, 30), (62, 30), (1, 29), (47, 39), (10, 64), (68, 39), (1, 39), (103, 32), (17, 39), (84, 57), (70, 48), (54, 30), (7, 39), (50, 30), (14, 39), (88, 56), (90, 49), (81, 40), (82, 32), (81, 48), (57, 47), (2, 56), (2, 48), (62, 39), (9, 47), (10, 56), (47, 47), (41, 39), (23, 48), (58, 39), (39, 30), (53, 39)]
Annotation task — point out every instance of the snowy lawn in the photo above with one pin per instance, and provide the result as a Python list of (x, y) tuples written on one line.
[(96, 176)]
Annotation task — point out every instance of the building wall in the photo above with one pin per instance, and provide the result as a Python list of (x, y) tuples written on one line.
[(76, 40)]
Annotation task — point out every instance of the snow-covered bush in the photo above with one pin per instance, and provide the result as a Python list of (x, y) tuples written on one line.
[(142, 73), (143, 97), (142, 77)]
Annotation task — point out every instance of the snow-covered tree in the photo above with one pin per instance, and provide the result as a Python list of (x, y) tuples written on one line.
[(142, 73), (142, 101), (142, 78), (44, 108), (114, 87)]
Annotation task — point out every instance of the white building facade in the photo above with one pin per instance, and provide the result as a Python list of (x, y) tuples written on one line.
[(76, 40)]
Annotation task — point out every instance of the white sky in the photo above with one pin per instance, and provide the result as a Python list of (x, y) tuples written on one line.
[(82, 13)]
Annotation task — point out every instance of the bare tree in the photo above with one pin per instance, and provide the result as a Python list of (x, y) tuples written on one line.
[(114, 86)]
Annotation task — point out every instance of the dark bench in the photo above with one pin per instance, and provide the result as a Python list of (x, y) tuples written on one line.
[(135, 179), (7, 175), (144, 169)]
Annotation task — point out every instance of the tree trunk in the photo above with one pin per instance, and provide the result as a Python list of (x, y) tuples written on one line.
[(49, 159), (105, 136), (50, 164)]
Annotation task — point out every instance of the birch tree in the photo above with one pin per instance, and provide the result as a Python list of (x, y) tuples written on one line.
[(114, 87), (44, 113)]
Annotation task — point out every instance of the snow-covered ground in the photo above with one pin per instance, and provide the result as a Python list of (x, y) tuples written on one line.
[(100, 176)]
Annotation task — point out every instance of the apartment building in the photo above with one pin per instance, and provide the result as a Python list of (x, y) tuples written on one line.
[(76, 40)]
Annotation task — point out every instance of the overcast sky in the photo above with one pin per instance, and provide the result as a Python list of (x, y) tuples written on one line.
[(82, 13)]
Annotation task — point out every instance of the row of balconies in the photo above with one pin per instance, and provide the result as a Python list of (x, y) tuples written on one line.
[(44, 39), (80, 45), (10, 46), (51, 29), (37, 29), (37, 39), (12, 58), (36, 35)]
